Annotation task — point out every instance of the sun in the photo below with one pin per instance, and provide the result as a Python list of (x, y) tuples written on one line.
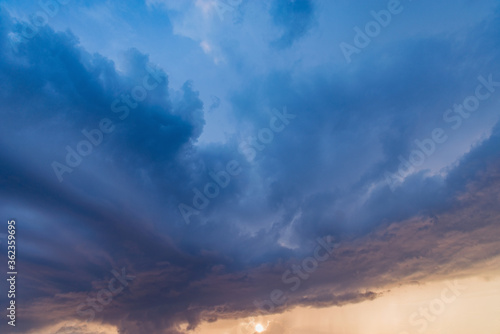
[(259, 328)]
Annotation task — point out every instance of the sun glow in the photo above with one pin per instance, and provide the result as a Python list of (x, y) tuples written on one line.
[(259, 328)]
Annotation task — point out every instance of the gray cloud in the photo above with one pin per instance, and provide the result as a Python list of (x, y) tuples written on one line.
[(322, 176)]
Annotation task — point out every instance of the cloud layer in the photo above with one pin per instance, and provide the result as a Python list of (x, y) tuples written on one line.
[(321, 175)]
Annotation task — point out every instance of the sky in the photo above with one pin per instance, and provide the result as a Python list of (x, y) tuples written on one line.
[(241, 167)]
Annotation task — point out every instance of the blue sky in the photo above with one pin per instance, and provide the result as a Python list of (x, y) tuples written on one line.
[(305, 144)]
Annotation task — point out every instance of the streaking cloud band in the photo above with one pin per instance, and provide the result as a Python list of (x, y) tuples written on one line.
[(237, 166)]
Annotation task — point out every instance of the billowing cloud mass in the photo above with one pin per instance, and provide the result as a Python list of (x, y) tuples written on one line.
[(328, 182)]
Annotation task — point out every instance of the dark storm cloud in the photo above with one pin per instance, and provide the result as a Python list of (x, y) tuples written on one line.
[(53, 88), (355, 123), (119, 207)]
